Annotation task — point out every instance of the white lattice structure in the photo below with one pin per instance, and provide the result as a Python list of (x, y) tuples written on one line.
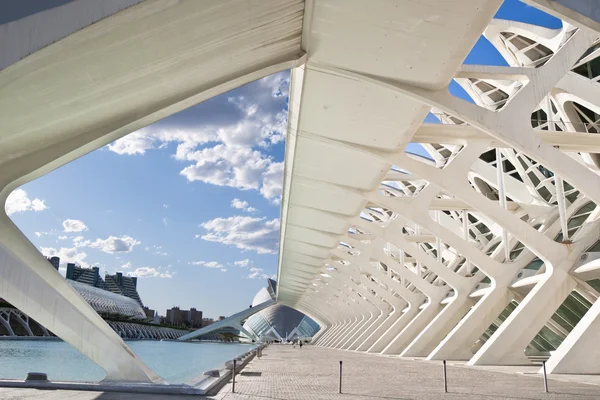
[(454, 255), (388, 251)]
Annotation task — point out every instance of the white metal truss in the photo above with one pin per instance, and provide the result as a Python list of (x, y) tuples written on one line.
[(482, 239)]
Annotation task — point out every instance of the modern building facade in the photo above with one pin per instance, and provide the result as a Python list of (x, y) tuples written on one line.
[(191, 318), (485, 249), (278, 322), (87, 276), (55, 261), (265, 320), (124, 285), (485, 246)]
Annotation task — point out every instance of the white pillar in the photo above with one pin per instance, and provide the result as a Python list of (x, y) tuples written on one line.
[(507, 345), (457, 344), (437, 329)]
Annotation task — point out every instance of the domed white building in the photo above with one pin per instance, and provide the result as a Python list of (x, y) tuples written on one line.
[(278, 322)]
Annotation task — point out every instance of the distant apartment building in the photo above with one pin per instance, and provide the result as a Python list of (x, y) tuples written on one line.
[(89, 276), (207, 322), (124, 285), (55, 261), (150, 313), (117, 283), (191, 317)]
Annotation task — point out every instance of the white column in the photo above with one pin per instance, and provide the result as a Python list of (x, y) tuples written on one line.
[(437, 329), (579, 352), (508, 343), (457, 344)]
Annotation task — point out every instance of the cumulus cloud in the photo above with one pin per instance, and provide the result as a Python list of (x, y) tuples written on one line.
[(74, 225), (258, 273), (150, 272), (113, 244), (229, 147), (19, 201), (245, 233), (67, 255), (242, 205), (79, 241), (209, 264), (273, 182), (61, 237), (243, 263), (127, 265)]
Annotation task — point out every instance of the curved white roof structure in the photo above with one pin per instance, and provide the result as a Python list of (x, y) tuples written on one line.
[(454, 255), (485, 249)]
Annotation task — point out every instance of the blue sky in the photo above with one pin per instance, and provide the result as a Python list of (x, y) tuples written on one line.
[(189, 204)]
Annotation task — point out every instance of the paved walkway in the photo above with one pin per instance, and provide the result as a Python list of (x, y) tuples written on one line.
[(285, 373), (312, 373)]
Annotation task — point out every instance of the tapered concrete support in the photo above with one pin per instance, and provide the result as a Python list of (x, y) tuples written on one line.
[(341, 339), (29, 283), (321, 332), (345, 329), (579, 352), (323, 339), (437, 329), (457, 344), (372, 324), (388, 336), (507, 345), (380, 327), (331, 333), (411, 331), (335, 331)]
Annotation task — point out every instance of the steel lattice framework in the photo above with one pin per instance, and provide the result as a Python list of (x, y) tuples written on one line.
[(478, 251)]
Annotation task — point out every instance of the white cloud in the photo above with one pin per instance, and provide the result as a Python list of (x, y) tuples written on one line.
[(243, 263), (209, 264), (245, 233), (79, 241), (74, 225), (113, 244), (61, 237), (39, 234), (221, 165), (67, 255), (273, 183), (18, 201), (127, 265), (165, 205), (242, 205), (150, 272), (165, 221), (257, 273), (228, 147)]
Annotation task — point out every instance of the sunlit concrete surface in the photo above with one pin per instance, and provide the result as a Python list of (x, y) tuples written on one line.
[(312, 373)]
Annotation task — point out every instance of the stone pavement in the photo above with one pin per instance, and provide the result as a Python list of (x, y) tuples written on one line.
[(311, 373), (285, 373)]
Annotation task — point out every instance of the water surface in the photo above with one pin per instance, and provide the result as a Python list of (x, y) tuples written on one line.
[(176, 362)]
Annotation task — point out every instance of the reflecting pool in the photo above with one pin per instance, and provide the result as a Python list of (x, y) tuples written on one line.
[(176, 362)]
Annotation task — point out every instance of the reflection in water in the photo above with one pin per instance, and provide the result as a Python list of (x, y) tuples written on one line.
[(176, 362)]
